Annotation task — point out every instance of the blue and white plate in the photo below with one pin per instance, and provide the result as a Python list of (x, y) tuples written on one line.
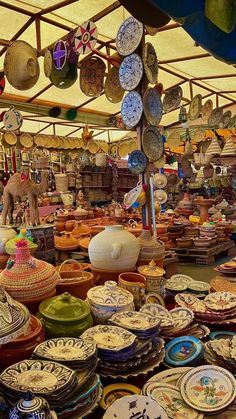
[(131, 109), (130, 72), (137, 162)]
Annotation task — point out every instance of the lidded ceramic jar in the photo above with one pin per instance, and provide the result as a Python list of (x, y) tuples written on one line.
[(154, 277), (64, 315), (31, 407), (28, 279), (114, 249), (105, 300), (185, 203), (150, 249), (6, 233)]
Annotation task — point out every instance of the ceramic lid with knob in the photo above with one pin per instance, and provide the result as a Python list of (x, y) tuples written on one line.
[(64, 308), (110, 295), (151, 270), (30, 407)]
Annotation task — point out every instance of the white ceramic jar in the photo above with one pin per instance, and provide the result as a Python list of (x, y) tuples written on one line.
[(114, 249), (6, 233)]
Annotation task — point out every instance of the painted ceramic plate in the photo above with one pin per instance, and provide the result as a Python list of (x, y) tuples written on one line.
[(110, 338), (184, 279), (199, 286), (150, 62), (215, 117), (92, 72), (195, 107), (208, 388), (59, 54), (160, 196), (115, 391), (131, 109), (36, 376), (169, 376), (226, 118), (220, 301), (109, 295), (66, 349), (221, 334), (207, 109), (159, 312), (130, 72), (47, 63), (129, 36), (152, 106), (174, 286), (172, 99), (86, 37), (182, 317), (134, 320), (12, 119), (112, 88), (152, 141), (154, 298), (159, 181), (131, 407), (137, 162), (170, 399), (183, 351)]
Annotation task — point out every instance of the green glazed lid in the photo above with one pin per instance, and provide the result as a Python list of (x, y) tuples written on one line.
[(64, 307)]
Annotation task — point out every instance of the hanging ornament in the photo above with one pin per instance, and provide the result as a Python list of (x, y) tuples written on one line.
[(86, 37), (59, 54), (183, 117)]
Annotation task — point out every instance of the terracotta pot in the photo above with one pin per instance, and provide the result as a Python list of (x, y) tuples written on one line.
[(80, 229), (66, 242), (69, 225), (60, 225), (161, 228), (3, 260), (134, 283), (96, 229), (76, 285), (101, 276), (202, 242), (184, 242)]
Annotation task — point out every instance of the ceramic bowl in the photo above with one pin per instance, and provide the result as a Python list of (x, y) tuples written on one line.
[(184, 242), (202, 242), (183, 351)]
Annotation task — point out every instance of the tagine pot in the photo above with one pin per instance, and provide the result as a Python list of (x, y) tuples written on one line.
[(114, 249), (150, 249), (64, 315)]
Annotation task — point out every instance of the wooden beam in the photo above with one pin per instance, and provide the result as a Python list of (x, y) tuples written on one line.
[(75, 130), (31, 99), (187, 58), (16, 9), (89, 101), (219, 76), (56, 7), (19, 33), (168, 27), (38, 33), (42, 129)]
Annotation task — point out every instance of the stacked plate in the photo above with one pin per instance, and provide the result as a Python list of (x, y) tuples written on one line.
[(183, 351), (222, 352), (220, 284), (76, 353), (122, 354), (142, 325), (228, 268), (80, 392), (177, 283)]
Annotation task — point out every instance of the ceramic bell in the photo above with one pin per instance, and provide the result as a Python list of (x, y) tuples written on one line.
[(30, 407)]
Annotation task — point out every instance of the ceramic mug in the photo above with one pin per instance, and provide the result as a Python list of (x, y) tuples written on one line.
[(134, 283)]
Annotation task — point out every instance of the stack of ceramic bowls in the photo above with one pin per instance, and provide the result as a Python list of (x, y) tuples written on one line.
[(76, 353), (55, 382), (142, 325), (122, 354), (183, 351), (228, 269)]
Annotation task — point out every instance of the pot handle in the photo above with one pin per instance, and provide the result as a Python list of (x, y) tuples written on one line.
[(116, 250)]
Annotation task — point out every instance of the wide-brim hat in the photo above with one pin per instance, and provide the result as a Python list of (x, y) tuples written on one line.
[(21, 65), (146, 13), (66, 77)]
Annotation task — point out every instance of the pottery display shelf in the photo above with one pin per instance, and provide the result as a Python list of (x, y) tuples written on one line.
[(204, 205)]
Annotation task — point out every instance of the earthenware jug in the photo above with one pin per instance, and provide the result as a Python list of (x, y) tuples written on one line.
[(134, 283)]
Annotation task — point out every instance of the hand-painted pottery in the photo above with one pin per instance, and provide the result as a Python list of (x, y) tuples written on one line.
[(85, 37), (110, 338), (150, 62), (135, 406), (12, 119), (92, 74), (64, 315), (154, 276), (30, 407), (6, 233), (130, 72), (221, 334), (152, 106), (172, 99), (114, 249), (182, 317), (113, 392), (112, 88), (153, 145), (160, 313), (221, 301), (134, 283), (129, 36), (169, 376), (142, 325), (182, 351), (131, 109), (208, 388)]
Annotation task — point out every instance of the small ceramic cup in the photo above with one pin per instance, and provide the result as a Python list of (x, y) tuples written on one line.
[(134, 283)]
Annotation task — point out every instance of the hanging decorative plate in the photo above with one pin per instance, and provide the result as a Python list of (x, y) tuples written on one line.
[(113, 90), (160, 196), (215, 117), (152, 141), (220, 301), (72, 56), (137, 162), (152, 106), (208, 388), (195, 107), (130, 72), (183, 351), (26, 140), (129, 36), (92, 74), (59, 54), (47, 63), (159, 181), (86, 37), (170, 399), (131, 109), (12, 119), (158, 164), (226, 118), (10, 138), (110, 338), (150, 62), (172, 99), (134, 320), (207, 109), (131, 407), (2, 82), (115, 391), (123, 150), (66, 349), (36, 376)]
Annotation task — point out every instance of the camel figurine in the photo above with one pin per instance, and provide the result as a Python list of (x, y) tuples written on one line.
[(19, 186)]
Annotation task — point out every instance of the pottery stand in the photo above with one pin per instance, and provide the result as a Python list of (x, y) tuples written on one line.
[(204, 205)]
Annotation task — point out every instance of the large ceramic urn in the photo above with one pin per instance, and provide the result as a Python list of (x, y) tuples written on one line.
[(114, 249)]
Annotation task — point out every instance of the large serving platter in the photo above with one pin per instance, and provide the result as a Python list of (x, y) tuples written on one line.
[(111, 338)]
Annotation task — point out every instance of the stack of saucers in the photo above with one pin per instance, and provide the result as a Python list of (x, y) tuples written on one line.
[(54, 382), (222, 352), (76, 353), (228, 269), (142, 325), (183, 283), (122, 354)]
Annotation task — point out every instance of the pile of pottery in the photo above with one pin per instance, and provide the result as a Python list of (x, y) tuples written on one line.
[(222, 352), (228, 269), (122, 354), (143, 325), (193, 392), (185, 206), (55, 382), (27, 279), (218, 308), (219, 284), (150, 249), (179, 282), (73, 278)]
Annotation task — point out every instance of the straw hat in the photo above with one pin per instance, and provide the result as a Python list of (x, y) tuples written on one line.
[(26, 140), (21, 65)]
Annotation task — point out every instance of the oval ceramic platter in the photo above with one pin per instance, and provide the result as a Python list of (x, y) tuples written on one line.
[(132, 407), (182, 317), (131, 109), (170, 399), (208, 388), (134, 320), (215, 117), (152, 141), (66, 349), (159, 312), (110, 338), (152, 106), (129, 36), (137, 162), (130, 72)]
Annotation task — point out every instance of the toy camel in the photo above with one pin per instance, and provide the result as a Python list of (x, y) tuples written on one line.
[(17, 187)]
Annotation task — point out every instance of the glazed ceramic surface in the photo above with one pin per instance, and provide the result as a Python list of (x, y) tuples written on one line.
[(131, 109), (137, 162), (152, 141), (113, 392), (66, 349), (182, 317), (221, 301), (169, 376), (208, 388), (31, 407), (129, 36), (130, 72), (134, 320), (183, 351), (111, 338), (152, 106), (172, 99), (109, 295), (114, 249), (160, 313), (150, 62)]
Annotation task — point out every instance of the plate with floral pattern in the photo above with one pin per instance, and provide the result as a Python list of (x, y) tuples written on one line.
[(208, 388), (182, 317), (153, 109), (131, 109), (137, 162), (158, 312), (130, 72), (129, 36), (66, 349), (134, 320), (220, 301), (110, 338)]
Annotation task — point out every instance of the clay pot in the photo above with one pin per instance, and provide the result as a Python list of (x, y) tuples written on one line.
[(80, 229), (69, 225), (66, 242), (184, 242), (161, 228), (154, 277), (80, 214), (202, 242), (134, 283), (77, 283), (186, 203), (60, 225), (101, 276)]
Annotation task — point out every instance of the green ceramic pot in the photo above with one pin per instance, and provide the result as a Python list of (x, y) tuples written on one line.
[(64, 315)]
